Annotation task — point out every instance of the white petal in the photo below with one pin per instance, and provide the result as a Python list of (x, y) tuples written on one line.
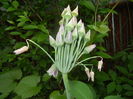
[(92, 74), (100, 64)]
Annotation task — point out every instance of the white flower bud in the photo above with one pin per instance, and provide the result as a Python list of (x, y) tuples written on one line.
[(92, 74), (75, 33), (81, 30), (87, 36), (89, 48), (100, 64), (75, 11), (67, 14), (52, 41), (59, 39), (53, 71), (71, 23), (64, 12), (21, 50), (69, 37), (87, 73), (79, 24)]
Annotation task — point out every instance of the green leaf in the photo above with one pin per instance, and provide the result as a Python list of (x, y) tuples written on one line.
[(122, 70), (88, 4), (113, 97), (104, 55), (15, 4), (7, 80), (113, 74), (102, 76), (111, 87), (127, 87), (15, 33), (43, 28), (10, 9), (129, 93), (56, 95), (3, 96), (10, 28), (30, 27), (27, 87), (80, 90), (46, 77)]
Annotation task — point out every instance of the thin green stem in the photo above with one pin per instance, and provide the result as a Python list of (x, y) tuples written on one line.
[(111, 11), (66, 84), (88, 59), (40, 48)]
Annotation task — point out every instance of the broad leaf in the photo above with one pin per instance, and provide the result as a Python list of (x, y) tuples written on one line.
[(27, 87), (111, 87), (7, 80), (113, 97), (56, 95), (80, 90)]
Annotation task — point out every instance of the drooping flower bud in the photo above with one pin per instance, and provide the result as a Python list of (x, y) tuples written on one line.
[(87, 73), (68, 38), (71, 23), (53, 71), (75, 11), (21, 50), (87, 36), (81, 30), (92, 74), (89, 48), (100, 64), (52, 41), (75, 33)]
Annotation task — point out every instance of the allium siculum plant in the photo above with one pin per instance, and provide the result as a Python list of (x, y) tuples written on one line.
[(70, 44)]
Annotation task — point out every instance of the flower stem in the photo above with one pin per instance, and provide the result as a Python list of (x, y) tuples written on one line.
[(66, 84)]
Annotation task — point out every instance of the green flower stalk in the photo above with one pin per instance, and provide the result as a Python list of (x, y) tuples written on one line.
[(70, 44)]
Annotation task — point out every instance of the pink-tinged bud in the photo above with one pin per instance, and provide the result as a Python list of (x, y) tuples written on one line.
[(59, 39), (92, 74), (21, 50), (75, 11), (100, 64), (81, 30), (89, 48), (64, 12), (75, 33), (71, 23), (87, 73), (87, 36), (69, 37), (79, 24), (67, 15), (68, 8), (52, 41), (53, 71)]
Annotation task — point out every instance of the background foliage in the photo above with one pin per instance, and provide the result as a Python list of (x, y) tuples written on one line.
[(25, 76)]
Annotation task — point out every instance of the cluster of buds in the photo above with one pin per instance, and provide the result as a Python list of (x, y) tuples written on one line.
[(71, 40), (70, 44)]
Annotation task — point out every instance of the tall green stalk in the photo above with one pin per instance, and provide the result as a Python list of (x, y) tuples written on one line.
[(66, 84)]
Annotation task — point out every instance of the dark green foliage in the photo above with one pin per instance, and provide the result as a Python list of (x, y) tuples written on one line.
[(24, 76)]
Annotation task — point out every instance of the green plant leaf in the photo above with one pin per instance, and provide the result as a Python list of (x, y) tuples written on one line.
[(3, 96), (113, 97), (56, 95), (30, 27), (88, 4), (15, 33), (127, 87), (129, 93), (80, 90), (113, 75), (10, 28), (102, 76), (104, 55), (7, 80), (122, 70), (15, 4), (27, 87), (111, 87)]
